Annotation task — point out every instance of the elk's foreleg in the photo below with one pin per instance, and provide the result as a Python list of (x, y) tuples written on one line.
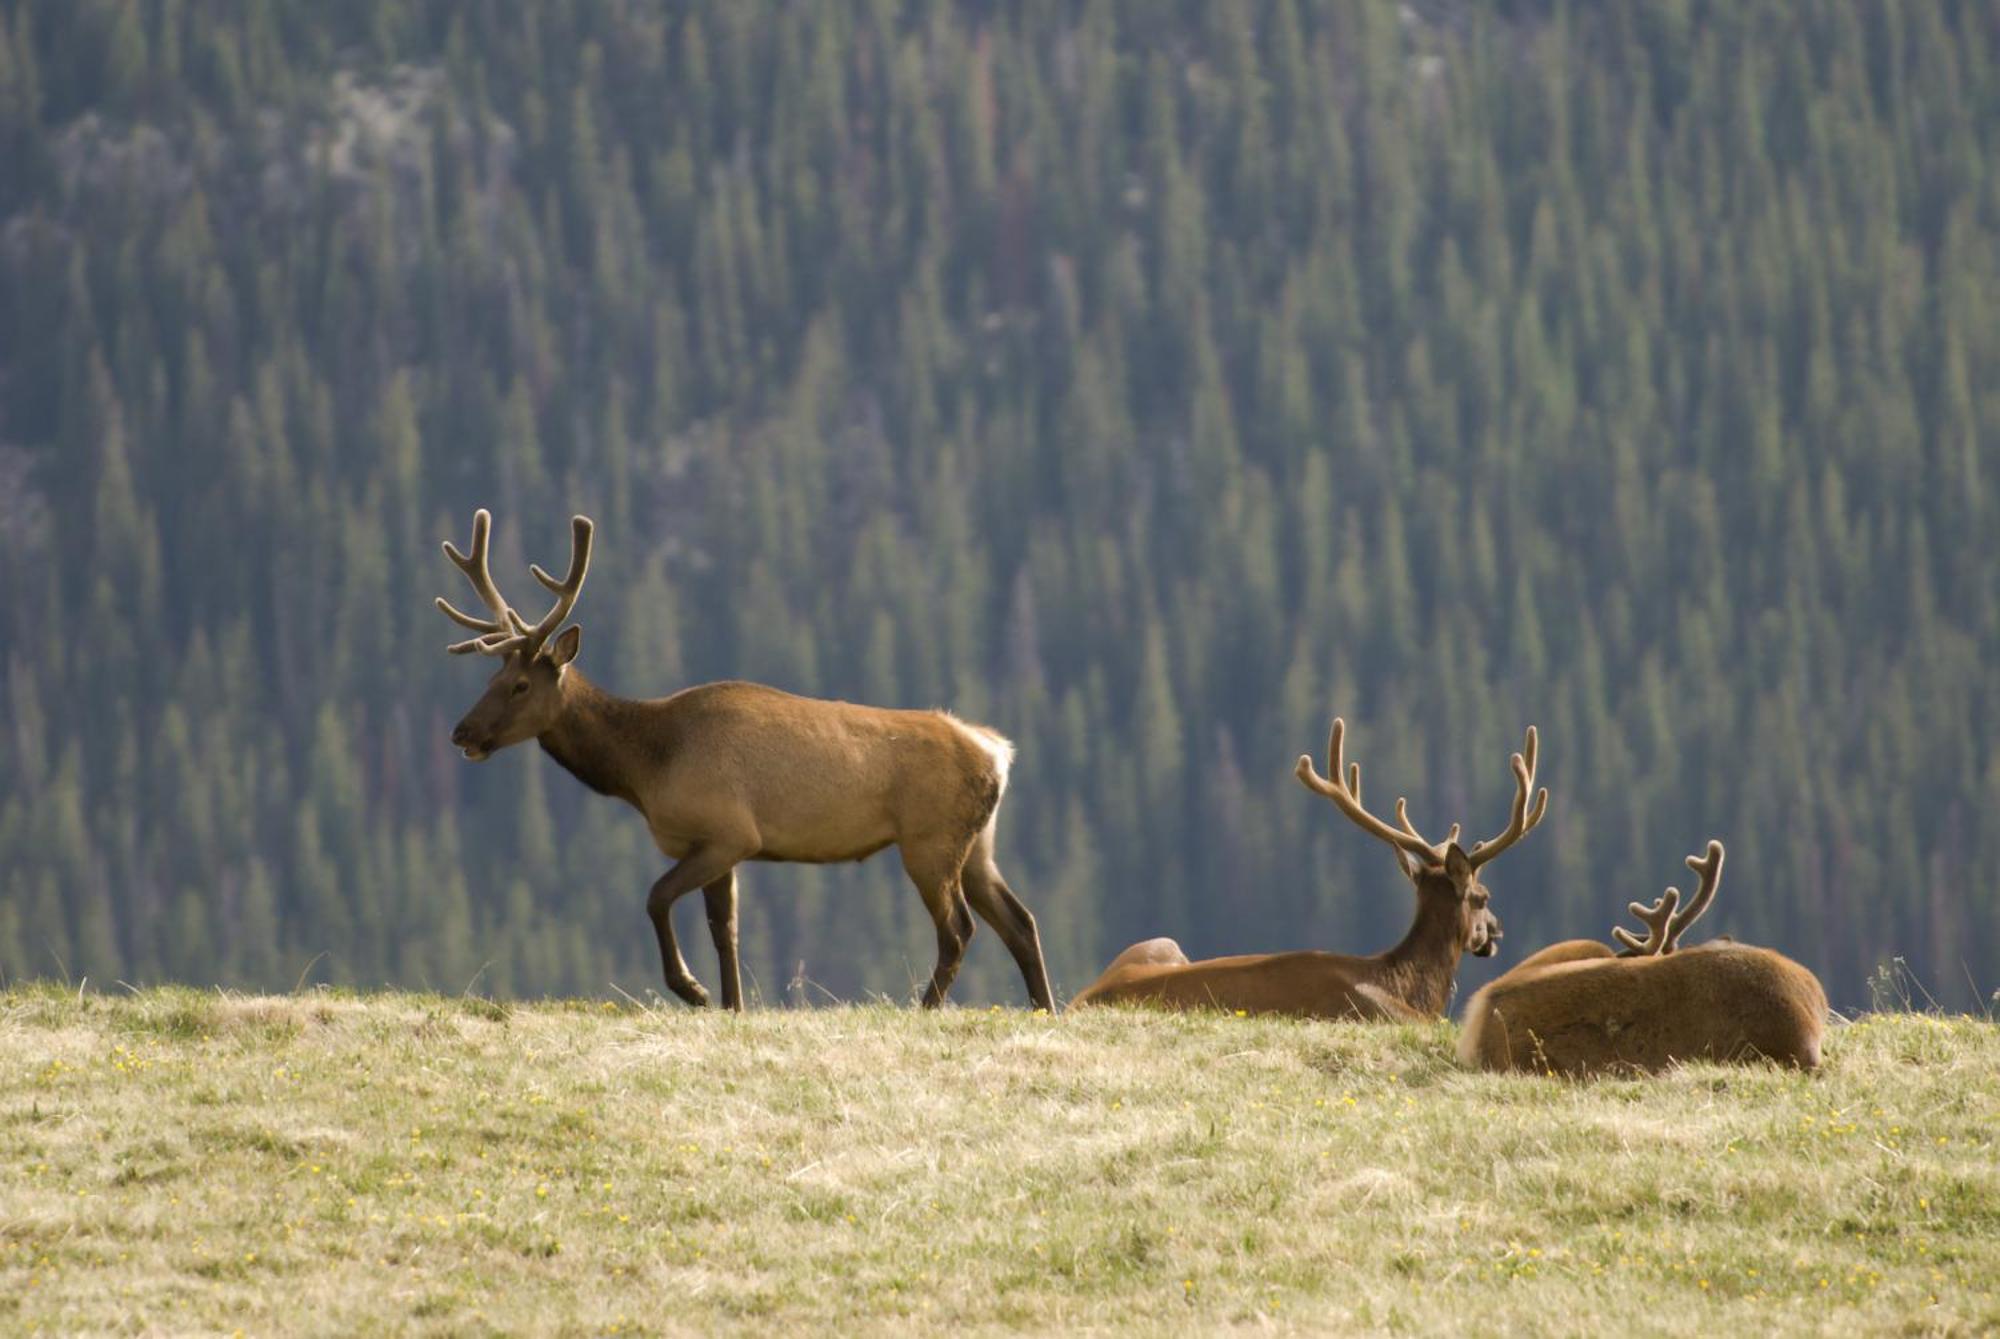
[(697, 869), (720, 897)]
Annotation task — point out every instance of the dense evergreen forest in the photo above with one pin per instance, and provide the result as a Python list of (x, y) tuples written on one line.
[(1150, 381)]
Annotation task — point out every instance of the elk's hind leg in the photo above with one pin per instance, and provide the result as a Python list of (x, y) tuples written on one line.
[(996, 904), (937, 879)]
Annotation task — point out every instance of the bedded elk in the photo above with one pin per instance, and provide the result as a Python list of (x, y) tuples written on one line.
[(1413, 980), (729, 772), (1580, 1008)]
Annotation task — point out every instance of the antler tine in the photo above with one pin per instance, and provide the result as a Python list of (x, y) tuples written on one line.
[(1708, 867), (505, 625), (566, 590), (1523, 819), (464, 619), (1657, 919), (1347, 797), (1403, 822), (496, 643)]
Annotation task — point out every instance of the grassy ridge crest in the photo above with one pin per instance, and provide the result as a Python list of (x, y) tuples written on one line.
[(175, 1160)]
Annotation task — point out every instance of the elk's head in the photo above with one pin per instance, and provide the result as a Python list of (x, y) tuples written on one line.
[(1450, 877), (524, 696), (1446, 875)]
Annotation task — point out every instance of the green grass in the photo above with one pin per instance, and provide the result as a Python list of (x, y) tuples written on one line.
[(175, 1161)]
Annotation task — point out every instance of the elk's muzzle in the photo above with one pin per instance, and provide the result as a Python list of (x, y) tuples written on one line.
[(462, 739)]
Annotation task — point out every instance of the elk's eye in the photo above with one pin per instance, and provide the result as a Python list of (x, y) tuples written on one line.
[(520, 688)]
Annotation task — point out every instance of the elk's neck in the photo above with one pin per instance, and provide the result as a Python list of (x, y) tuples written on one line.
[(592, 737), (1421, 969)]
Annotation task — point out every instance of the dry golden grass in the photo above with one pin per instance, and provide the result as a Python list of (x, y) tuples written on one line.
[(175, 1161)]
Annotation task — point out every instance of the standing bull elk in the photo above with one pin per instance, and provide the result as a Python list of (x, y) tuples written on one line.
[(729, 772), (1578, 1008), (1413, 980)]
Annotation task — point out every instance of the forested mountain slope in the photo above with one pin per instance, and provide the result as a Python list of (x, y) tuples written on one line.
[(1148, 381)]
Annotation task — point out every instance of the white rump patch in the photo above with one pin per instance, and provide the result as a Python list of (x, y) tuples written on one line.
[(996, 745)]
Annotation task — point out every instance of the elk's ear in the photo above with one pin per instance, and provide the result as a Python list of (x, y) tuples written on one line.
[(1457, 866), (563, 649), (1413, 867)]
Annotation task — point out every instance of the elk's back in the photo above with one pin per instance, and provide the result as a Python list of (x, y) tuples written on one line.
[(826, 780), (1301, 985), (1724, 1002)]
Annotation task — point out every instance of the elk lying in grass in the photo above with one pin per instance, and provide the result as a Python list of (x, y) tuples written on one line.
[(729, 772), (1579, 1008), (1413, 980)]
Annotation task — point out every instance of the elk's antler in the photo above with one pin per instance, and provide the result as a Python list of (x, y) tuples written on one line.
[(507, 632), (1655, 918), (1708, 868), (1346, 796), (505, 623), (566, 590), (1663, 926), (1523, 820)]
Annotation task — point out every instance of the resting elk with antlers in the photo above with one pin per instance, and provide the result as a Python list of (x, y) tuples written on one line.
[(1413, 980), (1579, 1008), (729, 772)]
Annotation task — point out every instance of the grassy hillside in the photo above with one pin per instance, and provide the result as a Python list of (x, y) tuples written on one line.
[(180, 1161)]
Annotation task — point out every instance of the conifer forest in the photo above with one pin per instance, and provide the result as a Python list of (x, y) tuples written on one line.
[(1149, 381)]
